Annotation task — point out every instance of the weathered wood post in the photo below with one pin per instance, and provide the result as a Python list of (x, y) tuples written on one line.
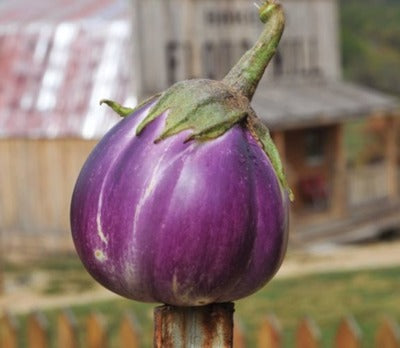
[(208, 326)]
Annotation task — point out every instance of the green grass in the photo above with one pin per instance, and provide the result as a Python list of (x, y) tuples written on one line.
[(64, 274), (368, 295), (64, 262)]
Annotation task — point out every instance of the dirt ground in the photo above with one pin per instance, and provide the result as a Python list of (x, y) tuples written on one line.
[(316, 258)]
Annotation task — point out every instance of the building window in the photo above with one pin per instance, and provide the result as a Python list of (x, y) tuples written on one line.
[(315, 146)]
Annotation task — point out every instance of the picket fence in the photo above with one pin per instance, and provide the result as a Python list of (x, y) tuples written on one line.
[(348, 334)]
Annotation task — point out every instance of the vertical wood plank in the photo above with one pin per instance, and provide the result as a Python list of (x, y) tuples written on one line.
[(8, 331), (339, 194), (67, 330), (269, 334), (391, 154), (96, 333), (348, 334), (388, 335), (129, 332), (38, 328), (308, 334), (239, 337)]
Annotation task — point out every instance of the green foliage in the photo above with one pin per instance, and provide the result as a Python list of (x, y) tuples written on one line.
[(370, 36)]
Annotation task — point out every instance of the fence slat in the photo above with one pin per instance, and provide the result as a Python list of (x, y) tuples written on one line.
[(8, 331), (308, 334), (38, 328), (239, 338), (269, 334), (96, 333), (67, 330), (348, 334), (388, 334), (129, 332)]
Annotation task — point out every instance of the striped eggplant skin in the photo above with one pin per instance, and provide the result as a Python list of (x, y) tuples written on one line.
[(184, 224)]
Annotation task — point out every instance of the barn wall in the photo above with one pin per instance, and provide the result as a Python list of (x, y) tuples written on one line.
[(192, 38), (36, 183)]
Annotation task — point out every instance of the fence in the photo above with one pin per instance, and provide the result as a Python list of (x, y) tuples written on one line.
[(348, 334)]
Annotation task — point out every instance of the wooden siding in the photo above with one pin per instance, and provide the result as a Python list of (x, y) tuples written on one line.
[(188, 38), (368, 184), (36, 183)]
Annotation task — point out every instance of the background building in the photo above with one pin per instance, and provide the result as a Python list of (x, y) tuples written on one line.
[(57, 60), (339, 141)]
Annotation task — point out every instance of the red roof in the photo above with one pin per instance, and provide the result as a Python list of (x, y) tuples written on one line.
[(57, 60), (23, 11)]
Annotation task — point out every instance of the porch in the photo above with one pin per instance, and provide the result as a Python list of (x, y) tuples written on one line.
[(343, 190)]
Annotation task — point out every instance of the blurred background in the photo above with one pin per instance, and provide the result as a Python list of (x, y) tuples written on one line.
[(329, 97)]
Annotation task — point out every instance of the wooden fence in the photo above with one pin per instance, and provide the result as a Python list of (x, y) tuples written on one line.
[(348, 334)]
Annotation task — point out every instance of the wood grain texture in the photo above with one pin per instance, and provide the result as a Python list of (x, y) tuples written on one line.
[(208, 326)]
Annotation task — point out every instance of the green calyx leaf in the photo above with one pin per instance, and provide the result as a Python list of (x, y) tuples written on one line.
[(261, 133), (208, 108), (123, 111)]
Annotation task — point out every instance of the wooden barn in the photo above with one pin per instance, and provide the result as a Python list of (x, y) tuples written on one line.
[(339, 141), (57, 60)]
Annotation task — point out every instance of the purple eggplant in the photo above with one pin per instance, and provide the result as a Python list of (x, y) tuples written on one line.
[(184, 201)]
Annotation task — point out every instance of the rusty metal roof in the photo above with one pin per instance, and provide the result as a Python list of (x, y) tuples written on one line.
[(26, 11), (295, 105), (57, 60)]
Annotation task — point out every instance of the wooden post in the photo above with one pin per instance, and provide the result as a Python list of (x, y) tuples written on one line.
[(67, 330), (8, 331), (208, 326), (269, 335)]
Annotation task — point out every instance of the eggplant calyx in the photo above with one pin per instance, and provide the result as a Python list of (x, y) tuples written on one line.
[(208, 108), (123, 111), (262, 135)]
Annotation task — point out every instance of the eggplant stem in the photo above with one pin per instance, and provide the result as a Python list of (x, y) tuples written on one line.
[(247, 73)]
